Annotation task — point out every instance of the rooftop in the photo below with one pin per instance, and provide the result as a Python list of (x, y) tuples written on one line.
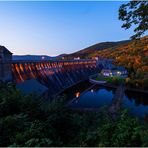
[(120, 68), (4, 49)]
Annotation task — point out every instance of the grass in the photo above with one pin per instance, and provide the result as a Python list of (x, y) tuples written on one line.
[(113, 79)]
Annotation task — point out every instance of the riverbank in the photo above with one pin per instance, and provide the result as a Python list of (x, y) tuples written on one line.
[(107, 84)]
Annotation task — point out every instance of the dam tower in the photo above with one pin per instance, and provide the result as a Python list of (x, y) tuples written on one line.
[(5, 64)]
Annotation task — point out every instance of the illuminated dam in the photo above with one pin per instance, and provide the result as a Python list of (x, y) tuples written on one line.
[(56, 75)]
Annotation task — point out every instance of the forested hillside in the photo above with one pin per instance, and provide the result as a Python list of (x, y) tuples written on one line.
[(133, 56), (85, 53)]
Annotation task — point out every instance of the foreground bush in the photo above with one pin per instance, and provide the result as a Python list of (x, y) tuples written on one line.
[(27, 121)]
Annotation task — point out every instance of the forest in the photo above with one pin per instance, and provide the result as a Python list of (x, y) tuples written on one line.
[(29, 121), (134, 57)]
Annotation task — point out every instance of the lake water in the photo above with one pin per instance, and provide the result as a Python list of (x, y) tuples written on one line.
[(97, 97), (137, 103), (94, 98)]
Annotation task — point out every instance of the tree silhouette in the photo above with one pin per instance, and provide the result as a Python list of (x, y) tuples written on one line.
[(135, 13)]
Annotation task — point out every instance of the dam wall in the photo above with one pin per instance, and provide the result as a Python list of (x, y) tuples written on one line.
[(56, 75)]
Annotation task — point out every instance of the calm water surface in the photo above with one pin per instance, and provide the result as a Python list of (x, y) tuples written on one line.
[(94, 98), (137, 103), (98, 96)]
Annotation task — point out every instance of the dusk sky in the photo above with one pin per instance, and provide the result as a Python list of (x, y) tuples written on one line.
[(53, 28)]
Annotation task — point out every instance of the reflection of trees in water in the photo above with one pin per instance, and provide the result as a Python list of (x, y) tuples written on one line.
[(138, 98), (71, 92), (96, 88), (110, 89)]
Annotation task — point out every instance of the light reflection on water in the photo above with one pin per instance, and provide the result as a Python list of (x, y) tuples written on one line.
[(99, 96), (77, 94), (94, 98)]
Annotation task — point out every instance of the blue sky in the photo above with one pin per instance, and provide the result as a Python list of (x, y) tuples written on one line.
[(53, 28)]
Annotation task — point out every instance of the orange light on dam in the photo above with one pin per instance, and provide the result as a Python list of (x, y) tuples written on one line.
[(21, 68), (27, 70), (17, 73)]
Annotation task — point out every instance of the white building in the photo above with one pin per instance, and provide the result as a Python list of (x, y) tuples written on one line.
[(117, 71)]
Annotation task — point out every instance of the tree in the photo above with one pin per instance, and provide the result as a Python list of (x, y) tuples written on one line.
[(52, 124), (135, 13)]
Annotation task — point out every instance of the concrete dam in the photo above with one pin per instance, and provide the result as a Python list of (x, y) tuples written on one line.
[(56, 75)]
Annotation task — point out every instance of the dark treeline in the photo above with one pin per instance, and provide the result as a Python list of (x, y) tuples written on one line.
[(27, 121)]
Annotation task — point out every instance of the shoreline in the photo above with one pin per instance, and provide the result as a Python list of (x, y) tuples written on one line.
[(115, 86)]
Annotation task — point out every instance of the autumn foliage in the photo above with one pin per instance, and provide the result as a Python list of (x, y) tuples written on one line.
[(133, 56)]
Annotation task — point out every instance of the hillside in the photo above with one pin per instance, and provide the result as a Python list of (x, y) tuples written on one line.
[(32, 57), (85, 53), (36, 57), (133, 56)]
